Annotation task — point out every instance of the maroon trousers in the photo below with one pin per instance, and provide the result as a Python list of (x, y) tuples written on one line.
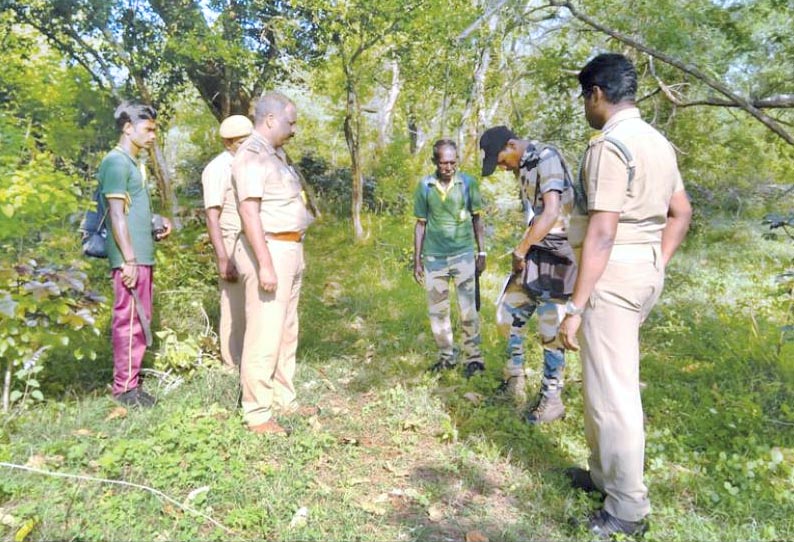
[(129, 342)]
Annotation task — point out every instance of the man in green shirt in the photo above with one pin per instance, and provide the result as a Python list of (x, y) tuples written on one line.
[(130, 248), (447, 206)]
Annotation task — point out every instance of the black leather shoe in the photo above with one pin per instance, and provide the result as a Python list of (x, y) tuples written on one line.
[(580, 479), (604, 525), (146, 399), (136, 398)]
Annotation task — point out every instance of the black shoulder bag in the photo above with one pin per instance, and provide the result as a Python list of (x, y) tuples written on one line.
[(94, 230)]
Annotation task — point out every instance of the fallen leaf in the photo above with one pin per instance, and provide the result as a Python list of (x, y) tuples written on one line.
[(56, 460), (372, 508), (300, 517), (25, 530), (476, 536), (36, 461), (170, 510), (474, 397), (315, 424), (411, 425), (332, 291), (83, 433), (396, 471), (435, 512), (382, 498), (7, 519), (118, 412), (412, 494)]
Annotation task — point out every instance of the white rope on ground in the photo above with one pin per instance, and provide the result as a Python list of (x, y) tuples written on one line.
[(120, 483)]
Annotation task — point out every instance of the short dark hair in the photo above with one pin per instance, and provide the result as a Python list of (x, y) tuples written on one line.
[(270, 103), (614, 74), (133, 112), (440, 144)]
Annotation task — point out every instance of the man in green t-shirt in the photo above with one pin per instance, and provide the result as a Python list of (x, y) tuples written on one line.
[(130, 248), (447, 206)]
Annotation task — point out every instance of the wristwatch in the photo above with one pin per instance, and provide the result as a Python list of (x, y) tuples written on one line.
[(573, 310)]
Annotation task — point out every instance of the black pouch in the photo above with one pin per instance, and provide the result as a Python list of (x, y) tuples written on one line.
[(550, 270), (94, 230)]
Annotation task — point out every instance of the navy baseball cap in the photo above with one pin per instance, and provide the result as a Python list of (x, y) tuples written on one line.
[(492, 141)]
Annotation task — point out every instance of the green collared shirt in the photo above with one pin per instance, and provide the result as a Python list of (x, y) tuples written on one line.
[(449, 230), (120, 177)]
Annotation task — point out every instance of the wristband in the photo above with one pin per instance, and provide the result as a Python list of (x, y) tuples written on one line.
[(482, 253), (572, 310), (131, 261)]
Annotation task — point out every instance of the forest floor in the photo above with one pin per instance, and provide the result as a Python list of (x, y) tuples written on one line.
[(399, 454)]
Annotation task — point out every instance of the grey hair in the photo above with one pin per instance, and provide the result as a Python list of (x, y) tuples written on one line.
[(270, 104)]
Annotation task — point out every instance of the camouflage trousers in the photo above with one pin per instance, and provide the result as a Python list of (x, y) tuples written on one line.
[(439, 271), (516, 307)]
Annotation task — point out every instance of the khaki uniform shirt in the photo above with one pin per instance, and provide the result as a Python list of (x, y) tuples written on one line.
[(216, 180), (262, 172), (643, 205)]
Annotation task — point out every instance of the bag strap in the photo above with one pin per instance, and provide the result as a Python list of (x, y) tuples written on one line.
[(101, 208), (628, 158), (540, 158)]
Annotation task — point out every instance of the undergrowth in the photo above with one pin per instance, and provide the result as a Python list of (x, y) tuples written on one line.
[(397, 454)]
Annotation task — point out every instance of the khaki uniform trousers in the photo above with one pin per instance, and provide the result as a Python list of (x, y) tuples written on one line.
[(609, 337), (271, 331), (231, 328)]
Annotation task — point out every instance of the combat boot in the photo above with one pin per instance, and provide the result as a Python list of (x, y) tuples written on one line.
[(514, 387), (548, 409)]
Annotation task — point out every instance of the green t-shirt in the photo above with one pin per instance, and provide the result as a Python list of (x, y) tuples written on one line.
[(120, 176), (449, 230)]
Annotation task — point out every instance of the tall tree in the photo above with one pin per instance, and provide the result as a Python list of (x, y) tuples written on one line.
[(228, 50)]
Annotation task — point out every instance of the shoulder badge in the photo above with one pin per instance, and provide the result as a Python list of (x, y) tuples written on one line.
[(252, 145)]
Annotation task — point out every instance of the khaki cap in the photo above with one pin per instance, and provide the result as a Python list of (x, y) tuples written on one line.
[(236, 126)]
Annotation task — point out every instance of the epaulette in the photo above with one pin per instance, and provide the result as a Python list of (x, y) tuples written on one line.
[(255, 146), (597, 137)]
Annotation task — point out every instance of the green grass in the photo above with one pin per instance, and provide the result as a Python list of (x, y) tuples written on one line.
[(399, 455)]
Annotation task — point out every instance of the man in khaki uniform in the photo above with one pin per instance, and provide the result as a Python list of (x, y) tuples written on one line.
[(632, 215), (269, 258), (223, 225)]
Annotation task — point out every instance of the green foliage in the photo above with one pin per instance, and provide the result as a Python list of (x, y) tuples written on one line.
[(392, 445), (396, 175), (46, 301), (333, 186)]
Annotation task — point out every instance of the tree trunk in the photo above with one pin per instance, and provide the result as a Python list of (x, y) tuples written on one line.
[(164, 184), (387, 113), (352, 134), (480, 112), (412, 133), (7, 385)]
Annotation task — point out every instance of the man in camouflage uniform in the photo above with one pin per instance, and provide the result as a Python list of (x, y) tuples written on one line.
[(447, 206), (269, 258), (547, 195)]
